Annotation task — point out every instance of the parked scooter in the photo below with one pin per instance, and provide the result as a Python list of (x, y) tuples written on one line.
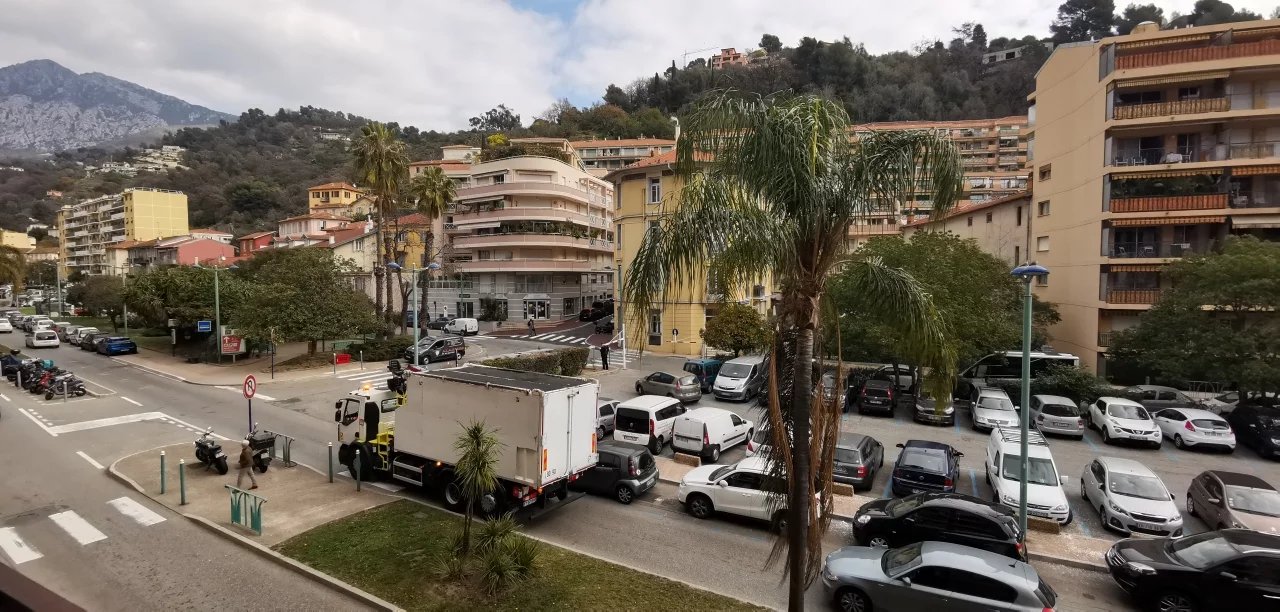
[(45, 380), (65, 384), (261, 444), (209, 452), (399, 381)]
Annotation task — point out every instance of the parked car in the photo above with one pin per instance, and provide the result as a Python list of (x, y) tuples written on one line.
[(932, 575), (1231, 569), (605, 409), (66, 332), (925, 467), (742, 489), (760, 443), (1054, 414), (683, 387), (707, 432), (1225, 500), (939, 517), (876, 396), (115, 345), (44, 338), (604, 325), (5, 326), (1130, 498), (439, 323), (1225, 403), (1123, 419), (624, 472), (1257, 427), (647, 420), (1157, 397), (901, 376), (87, 341), (1045, 496), (741, 378), (992, 408), (705, 370), (462, 326), (928, 411), (857, 459), (446, 348), (1195, 428), (43, 325), (81, 333)]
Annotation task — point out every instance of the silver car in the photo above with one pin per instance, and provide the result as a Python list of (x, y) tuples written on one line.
[(932, 575), (1055, 414), (992, 408), (684, 387)]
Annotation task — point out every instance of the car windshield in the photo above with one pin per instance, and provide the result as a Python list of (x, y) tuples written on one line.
[(996, 403), (903, 505), (1136, 485), (928, 460), (1058, 410), (1254, 501), (848, 455), (1039, 470), (720, 473), (1202, 550), (735, 370), (1210, 424), (899, 560), (1126, 411)]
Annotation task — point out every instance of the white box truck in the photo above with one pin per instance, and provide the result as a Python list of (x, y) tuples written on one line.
[(546, 426)]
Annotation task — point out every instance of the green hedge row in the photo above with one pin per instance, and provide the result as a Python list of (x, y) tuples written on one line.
[(564, 362), (381, 350)]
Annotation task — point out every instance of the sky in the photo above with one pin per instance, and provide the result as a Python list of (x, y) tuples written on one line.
[(435, 63)]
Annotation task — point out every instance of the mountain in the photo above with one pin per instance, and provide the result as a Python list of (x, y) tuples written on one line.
[(46, 107)]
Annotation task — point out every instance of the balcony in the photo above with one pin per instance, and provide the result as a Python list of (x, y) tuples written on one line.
[(1155, 250), (462, 219), (1199, 54), (1173, 107), (1131, 295), (1255, 199), (532, 188), (883, 229), (983, 161), (530, 239), (524, 265), (1210, 201), (1104, 338)]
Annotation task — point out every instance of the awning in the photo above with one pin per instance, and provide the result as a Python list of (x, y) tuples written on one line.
[(1256, 221), (1177, 78), (1165, 221), (1254, 32), (1163, 41), (478, 224), (1254, 170), (1164, 174), (1136, 267)]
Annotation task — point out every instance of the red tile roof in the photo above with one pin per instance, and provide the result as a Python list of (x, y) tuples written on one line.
[(411, 219), (322, 216), (621, 142), (210, 231), (966, 209), (338, 185), (662, 160), (345, 235), (255, 235)]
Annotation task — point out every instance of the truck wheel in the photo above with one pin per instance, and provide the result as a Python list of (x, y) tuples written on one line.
[(452, 493), (222, 466), (562, 493)]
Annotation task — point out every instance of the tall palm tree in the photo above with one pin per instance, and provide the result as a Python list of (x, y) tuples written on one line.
[(771, 186), (382, 166), (476, 472), (13, 267), (431, 192)]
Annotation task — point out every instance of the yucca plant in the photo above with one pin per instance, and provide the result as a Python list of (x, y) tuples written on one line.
[(495, 532), (476, 472)]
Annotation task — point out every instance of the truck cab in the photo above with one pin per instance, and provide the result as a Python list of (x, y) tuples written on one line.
[(365, 419)]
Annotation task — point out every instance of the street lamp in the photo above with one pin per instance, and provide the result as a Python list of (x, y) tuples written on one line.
[(217, 306), (1026, 273), (417, 324), (124, 283)]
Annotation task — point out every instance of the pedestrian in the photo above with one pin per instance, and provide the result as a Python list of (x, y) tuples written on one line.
[(246, 465), (604, 356), (532, 330)]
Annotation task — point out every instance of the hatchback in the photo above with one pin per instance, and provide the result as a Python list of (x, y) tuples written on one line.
[(1257, 427), (624, 472), (857, 459), (5, 326), (941, 517), (992, 408), (1232, 500), (44, 338), (743, 488), (1195, 428), (925, 466), (876, 396), (684, 387), (67, 332), (115, 345), (1232, 569), (930, 412), (1130, 498), (1054, 414), (1122, 419)]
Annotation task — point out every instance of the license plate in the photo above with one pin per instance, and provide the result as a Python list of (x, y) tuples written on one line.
[(1061, 424), (647, 481), (630, 438), (1142, 525), (1039, 514), (529, 502)]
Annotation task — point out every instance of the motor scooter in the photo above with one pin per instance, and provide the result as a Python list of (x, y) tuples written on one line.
[(209, 452), (65, 384)]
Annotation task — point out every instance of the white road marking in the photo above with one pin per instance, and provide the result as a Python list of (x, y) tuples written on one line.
[(362, 376), (5, 397), (13, 546), (135, 403), (240, 391), (106, 422), (190, 426), (140, 514), (97, 384), (37, 422), (387, 486), (540, 336), (89, 459), (582, 340), (77, 527)]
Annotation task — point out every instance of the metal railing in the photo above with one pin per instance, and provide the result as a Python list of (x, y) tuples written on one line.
[(1205, 201), (1172, 107), (1104, 338), (1152, 249), (1130, 295), (1155, 155), (1198, 54), (1255, 199)]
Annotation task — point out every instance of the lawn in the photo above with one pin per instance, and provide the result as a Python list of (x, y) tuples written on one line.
[(388, 551)]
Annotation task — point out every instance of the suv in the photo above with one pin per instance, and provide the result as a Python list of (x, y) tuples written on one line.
[(1232, 569), (944, 517), (1045, 497), (1130, 498), (624, 472), (742, 488), (1122, 419), (1229, 499), (876, 395), (992, 408), (1257, 427)]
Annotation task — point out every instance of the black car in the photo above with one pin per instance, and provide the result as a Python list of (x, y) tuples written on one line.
[(924, 467), (857, 460), (1257, 427), (605, 325), (1232, 569), (439, 322), (623, 472), (878, 396), (87, 341), (943, 517)]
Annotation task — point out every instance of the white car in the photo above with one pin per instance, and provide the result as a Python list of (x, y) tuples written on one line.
[(739, 489), (992, 408), (44, 338), (1192, 427), (42, 324), (1225, 403), (82, 332), (6, 326), (1122, 419), (1130, 498), (1045, 497)]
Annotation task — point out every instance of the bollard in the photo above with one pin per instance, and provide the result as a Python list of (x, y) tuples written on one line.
[(182, 482), (361, 360), (162, 473), (18, 383), (331, 462), (355, 468), (65, 387), (335, 364)]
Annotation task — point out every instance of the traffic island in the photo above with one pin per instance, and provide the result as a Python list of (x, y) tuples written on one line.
[(394, 552)]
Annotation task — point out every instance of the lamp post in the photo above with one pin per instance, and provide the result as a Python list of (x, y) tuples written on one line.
[(124, 283), (413, 300), (1026, 273), (217, 307)]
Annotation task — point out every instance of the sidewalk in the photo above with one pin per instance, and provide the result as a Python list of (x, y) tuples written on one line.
[(230, 374)]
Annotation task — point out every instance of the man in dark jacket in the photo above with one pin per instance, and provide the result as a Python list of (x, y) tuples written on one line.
[(246, 465)]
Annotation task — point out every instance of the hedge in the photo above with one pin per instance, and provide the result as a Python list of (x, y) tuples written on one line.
[(564, 362), (381, 350)]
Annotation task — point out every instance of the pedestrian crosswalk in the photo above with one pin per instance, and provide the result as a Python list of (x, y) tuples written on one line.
[(555, 338), (15, 544), (615, 359)]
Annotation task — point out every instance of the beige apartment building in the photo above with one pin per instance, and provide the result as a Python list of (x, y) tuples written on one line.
[(1147, 148), (1002, 227), (601, 157), (90, 226)]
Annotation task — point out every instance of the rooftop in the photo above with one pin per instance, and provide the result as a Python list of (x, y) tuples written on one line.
[(338, 185), (501, 377), (210, 231), (620, 142), (255, 235), (319, 216), (964, 210)]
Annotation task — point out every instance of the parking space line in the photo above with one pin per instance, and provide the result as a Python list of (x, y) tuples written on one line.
[(888, 487), (5, 397), (89, 459), (37, 422), (973, 480), (135, 403)]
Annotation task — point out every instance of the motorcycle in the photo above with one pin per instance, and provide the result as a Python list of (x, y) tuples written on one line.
[(209, 452), (45, 380), (399, 381), (65, 384), (261, 444)]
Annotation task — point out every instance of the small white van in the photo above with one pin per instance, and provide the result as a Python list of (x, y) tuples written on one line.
[(648, 420), (462, 327), (708, 431), (1045, 497)]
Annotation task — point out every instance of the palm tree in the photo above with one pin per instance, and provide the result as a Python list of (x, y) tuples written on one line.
[(382, 165), (13, 267), (476, 472), (771, 185), (431, 191)]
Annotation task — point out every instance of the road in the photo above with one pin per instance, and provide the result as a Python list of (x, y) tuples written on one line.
[(653, 535)]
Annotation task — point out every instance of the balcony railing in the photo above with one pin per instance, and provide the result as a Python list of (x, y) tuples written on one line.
[(1255, 199), (524, 214), (530, 239), (1155, 155), (875, 230), (1199, 54), (978, 162), (1125, 295), (1138, 250), (1104, 338), (1172, 107), (532, 188), (523, 265), (1208, 201)]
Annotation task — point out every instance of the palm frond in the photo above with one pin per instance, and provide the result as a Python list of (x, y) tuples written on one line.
[(13, 266), (431, 192)]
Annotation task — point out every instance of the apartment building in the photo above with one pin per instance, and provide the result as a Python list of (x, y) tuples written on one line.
[(17, 240), (1002, 227), (647, 191), (1149, 147), (338, 199), (601, 157), (89, 226), (528, 236), (728, 57)]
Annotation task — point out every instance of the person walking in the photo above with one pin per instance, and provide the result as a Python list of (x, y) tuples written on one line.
[(246, 465), (532, 330), (604, 356)]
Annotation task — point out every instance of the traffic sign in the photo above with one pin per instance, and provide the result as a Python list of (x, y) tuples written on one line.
[(204, 326), (250, 386)]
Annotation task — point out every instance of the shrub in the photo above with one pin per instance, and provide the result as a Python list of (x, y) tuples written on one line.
[(564, 362), (524, 553), (495, 532), (382, 350), (498, 571), (449, 566)]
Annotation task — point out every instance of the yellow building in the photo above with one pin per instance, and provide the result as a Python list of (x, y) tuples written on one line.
[(17, 240), (90, 226), (1147, 148), (339, 199), (646, 191)]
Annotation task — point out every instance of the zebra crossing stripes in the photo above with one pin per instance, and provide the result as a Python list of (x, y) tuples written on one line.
[(140, 514), (363, 375), (15, 547), (75, 526)]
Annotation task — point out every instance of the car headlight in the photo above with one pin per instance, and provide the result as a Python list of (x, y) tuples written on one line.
[(949, 410), (827, 573), (862, 519), (1115, 508), (1008, 499), (1275, 440), (1140, 568), (1061, 508)]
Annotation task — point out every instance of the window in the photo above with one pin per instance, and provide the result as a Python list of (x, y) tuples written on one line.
[(972, 524), (1042, 280), (1019, 216), (932, 518), (606, 410), (655, 328), (653, 226), (1042, 208), (977, 585), (988, 217), (1046, 172), (969, 222), (655, 190), (1042, 243), (499, 179), (1017, 255), (746, 480), (933, 577), (358, 246)]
